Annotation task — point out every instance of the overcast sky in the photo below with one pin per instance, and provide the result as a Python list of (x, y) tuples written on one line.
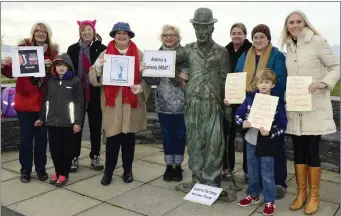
[(147, 18)]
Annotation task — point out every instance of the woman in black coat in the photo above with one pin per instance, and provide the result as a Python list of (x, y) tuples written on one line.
[(84, 54)]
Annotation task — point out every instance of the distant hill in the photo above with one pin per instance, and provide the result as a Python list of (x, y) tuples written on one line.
[(336, 49)]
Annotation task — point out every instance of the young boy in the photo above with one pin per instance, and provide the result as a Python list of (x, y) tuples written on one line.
[(62, 113), (262, 145)]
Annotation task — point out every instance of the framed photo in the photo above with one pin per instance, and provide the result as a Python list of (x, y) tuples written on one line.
[(159, 64), (118, 70), (28, 61)]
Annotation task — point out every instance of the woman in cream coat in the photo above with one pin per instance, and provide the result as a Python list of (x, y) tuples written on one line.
[(309, 54), (123, 108)]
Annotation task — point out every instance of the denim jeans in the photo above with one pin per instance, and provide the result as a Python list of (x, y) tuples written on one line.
[(174, 137), (263, 166)]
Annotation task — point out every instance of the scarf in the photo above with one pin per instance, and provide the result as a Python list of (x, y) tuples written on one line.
[(250, 66), (175, 81), (84, 64), (111, 92)]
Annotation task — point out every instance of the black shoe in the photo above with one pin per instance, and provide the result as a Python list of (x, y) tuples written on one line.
[(177, 173), (127, 177), (169, 173), (42, 175), (106, 179), (25, 177)]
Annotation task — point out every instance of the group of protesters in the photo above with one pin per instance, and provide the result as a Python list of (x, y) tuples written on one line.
[(56, 105)]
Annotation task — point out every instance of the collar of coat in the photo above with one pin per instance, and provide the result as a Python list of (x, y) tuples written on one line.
[(305, 36), (213, 50)]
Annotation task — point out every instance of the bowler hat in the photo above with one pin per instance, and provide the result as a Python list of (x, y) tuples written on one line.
[(121, 26), (203, 16)]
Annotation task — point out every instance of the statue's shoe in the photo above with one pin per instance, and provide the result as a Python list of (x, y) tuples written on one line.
[(185, 187), (228, 195)]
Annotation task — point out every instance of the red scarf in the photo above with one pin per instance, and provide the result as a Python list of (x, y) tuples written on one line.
[(111, 92)]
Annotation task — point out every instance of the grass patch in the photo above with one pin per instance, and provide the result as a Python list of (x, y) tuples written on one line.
[(336, 90)]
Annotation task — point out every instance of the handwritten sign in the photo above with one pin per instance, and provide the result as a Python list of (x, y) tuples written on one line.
[(203, 194), (235, 86), (297, 94), (118, 70), (28, 61), (159, 63), (263, 111)]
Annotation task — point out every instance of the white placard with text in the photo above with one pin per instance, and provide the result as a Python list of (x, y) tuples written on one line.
[(235, 86), (203, 194), (297, 94), (159, 63)]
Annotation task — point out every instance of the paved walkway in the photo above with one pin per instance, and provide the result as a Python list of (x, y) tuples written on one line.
[(147, 195)]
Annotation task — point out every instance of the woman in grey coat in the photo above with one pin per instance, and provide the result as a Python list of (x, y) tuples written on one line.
[(169, 104)]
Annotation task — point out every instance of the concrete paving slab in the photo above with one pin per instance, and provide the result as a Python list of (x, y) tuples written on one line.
[(142, 151), (282, 208), (148, 200), (159, 158), (144, 171), (6, 175), (107, 210), (92, 187), (55, 203), (13, 191), (15, 165), (9, 156)]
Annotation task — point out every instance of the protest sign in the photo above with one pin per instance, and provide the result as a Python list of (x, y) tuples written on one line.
[(118, 70), (297, 93), (28, 61), (203, 194), (235, 86), (159, 63), (263, 111)]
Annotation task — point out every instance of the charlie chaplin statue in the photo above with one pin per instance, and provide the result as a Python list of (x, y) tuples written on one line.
[(204, 109)]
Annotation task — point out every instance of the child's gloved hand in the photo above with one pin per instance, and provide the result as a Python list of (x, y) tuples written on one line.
[(263, 132), (76, 128), (136, 89), (99, 66), (38, 123)]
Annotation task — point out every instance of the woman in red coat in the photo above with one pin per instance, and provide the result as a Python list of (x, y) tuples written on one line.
[(28, 102)]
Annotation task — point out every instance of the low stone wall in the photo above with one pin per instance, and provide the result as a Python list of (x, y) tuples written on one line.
[(10, 134)]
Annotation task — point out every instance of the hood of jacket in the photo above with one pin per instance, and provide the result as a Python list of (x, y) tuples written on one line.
[(67, 59)]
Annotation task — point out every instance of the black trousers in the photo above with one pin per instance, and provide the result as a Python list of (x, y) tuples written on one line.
[(306, 150), (113, 145), (61, 148), (95, 124), (229, 153)]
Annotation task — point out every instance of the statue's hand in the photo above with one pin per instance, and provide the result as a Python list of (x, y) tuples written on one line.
[(183, 76)]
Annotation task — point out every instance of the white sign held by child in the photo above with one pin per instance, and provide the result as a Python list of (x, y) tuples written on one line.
[(203, 194), (297, 94), (235, 86), (159, 63), (263, 111)]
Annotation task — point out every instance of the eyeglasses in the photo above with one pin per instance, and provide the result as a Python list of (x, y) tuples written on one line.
[(169, 35), (40, 32)]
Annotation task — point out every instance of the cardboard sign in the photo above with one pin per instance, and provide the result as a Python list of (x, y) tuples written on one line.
[(203, 194), (263, 111), (297, 94), (159, 63), (118, 70), (28, 61), (235, 86)]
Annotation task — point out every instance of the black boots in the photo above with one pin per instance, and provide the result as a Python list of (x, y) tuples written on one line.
[(172, 174)]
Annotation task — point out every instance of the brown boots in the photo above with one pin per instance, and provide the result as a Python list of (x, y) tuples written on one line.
[(314, 176)]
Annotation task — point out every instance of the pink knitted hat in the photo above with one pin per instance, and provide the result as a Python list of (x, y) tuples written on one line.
[(88, 22)]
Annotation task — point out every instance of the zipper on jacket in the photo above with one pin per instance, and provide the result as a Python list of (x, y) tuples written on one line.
[(60, 83), (71, 110), (47, 110)]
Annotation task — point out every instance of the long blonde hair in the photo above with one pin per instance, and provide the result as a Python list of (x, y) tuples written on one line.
[(285, 33)]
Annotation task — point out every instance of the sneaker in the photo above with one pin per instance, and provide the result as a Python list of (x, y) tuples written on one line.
[(169, 173), (280, 191), (269, 208), (53, 179), (177, 173), (106, 179), (248, 201), (42, 175), (25, 176), (127, 178), (96, 163), (61, 181), (74, 164)]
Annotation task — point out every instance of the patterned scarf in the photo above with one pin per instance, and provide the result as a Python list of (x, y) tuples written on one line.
[(84, 64), (250, 66), (111, 92)]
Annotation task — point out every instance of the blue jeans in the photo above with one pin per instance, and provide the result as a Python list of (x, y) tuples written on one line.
[(174, 137), (263, 166), (27, 133)]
